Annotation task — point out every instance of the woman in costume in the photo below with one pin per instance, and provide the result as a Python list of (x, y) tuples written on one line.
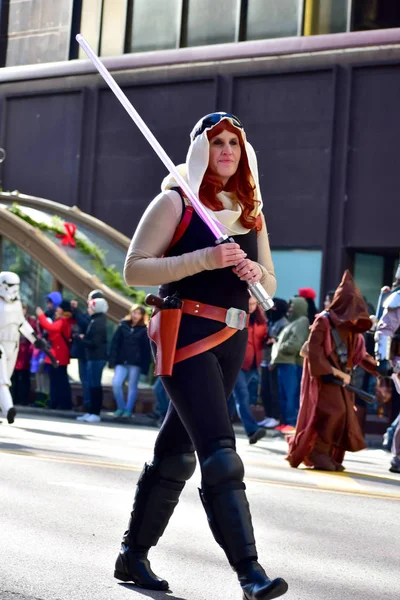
[(327, 424), (208, 283)]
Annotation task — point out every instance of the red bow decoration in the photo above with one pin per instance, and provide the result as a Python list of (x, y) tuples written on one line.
[(67, 239)]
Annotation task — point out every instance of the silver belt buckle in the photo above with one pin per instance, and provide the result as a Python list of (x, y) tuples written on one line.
[(236, 318)]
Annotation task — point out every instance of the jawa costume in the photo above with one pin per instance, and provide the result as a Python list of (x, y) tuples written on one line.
[(327, 424), (173, 246)]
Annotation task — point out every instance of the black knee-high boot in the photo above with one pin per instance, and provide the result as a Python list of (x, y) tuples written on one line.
[(157, 494), (224, 499)]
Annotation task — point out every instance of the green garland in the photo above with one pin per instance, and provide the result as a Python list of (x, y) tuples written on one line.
[(109, 275)]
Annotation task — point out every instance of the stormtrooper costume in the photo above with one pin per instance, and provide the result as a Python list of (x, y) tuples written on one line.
[(12, 324), (387, 326)]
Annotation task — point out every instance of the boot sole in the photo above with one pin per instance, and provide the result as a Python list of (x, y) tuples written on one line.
[(11, 415), (277, 588), (162, 587), (257, 436)]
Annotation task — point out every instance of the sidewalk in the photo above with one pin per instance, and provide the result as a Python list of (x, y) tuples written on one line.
[(142, 420)]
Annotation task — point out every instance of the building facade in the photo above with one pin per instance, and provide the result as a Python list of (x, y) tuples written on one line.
[(320, 110)]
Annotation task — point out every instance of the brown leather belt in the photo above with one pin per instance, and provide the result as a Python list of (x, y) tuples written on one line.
[(234, 318)]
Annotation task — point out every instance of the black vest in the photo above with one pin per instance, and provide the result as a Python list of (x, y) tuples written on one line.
[(219, 287)]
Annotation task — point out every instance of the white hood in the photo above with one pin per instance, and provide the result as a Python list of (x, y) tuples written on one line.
[(193, 172)]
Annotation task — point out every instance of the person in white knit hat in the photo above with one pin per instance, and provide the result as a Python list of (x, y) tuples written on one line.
[(199, 332), (95, 341)]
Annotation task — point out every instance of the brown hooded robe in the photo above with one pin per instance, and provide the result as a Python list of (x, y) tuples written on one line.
[(327, 421)]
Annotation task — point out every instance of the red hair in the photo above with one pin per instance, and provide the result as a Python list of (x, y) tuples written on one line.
[(240, 183)]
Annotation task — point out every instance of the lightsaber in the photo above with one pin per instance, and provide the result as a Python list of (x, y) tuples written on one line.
[(256, 289)]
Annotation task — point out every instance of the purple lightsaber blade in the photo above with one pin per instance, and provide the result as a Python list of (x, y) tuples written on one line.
[(256, 289)]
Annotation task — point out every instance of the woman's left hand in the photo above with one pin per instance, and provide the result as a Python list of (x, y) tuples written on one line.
[(39, 311), (248, 270)]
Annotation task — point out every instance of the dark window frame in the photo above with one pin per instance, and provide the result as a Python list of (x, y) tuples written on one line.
[(4, 15), (75, 29)]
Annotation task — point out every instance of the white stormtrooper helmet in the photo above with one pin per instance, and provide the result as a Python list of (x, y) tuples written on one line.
[(9, 286)]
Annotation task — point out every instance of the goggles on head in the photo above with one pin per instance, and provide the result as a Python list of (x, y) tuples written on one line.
[(211, 120)]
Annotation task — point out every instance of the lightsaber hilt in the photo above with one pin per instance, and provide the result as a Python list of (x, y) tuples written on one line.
[(256, 289)]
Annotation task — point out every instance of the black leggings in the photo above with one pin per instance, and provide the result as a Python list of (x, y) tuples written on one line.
[(199, 388)]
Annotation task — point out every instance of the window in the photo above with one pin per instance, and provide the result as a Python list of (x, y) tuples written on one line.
[(295, 269), (326, 16), (272, 18), (212, 22), (155, 25), (374, 14), (368, 275)]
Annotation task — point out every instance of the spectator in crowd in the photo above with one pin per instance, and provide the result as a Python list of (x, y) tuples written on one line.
[(277, 321), (40, 369), (162, 401), (21, 377), (39, 366), (286, 357), (59, 333), (53, 300), (249, 371), (78, 350), (328, 299), (309, 295), (157, 417), (130, 356), (362, 379), (95, 341)]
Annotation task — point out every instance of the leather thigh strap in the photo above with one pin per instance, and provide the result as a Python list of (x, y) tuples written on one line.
[(205, 344)]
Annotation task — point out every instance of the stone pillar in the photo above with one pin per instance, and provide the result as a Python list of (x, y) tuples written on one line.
[(113, 27), (91, 18)]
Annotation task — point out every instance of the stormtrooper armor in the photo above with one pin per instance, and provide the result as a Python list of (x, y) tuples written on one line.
[(385, 331), (12, 323)]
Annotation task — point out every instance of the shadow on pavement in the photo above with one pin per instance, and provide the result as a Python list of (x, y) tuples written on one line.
[(364, 462), (151, 593), (281, 452), (50, 453), (77, 436), (371, 477)]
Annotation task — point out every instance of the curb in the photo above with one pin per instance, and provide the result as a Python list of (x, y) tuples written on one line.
[(71, 415)]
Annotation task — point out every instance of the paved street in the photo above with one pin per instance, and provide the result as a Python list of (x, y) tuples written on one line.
[(66, 490)]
